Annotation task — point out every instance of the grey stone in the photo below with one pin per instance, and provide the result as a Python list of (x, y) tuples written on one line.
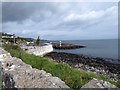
[(94, 83), (17, 74)]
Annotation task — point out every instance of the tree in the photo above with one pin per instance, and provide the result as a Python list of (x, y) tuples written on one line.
[(38, 40), (14, 38)]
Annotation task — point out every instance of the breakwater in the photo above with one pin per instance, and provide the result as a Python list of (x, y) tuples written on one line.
[(96, 65), (67, 46), (38, 50)]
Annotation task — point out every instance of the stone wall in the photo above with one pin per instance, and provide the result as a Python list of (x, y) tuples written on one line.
[(38, 50), (16, 74)]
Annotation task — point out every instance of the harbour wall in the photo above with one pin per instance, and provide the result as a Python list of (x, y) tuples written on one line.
[(38, 50)]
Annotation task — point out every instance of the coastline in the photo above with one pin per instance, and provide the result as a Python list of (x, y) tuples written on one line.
[(75, 78), (97, 65), (107, 48)]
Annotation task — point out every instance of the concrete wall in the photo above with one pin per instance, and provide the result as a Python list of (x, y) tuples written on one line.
[(39, 50)]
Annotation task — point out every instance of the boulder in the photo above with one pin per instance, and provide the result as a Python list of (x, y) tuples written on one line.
[(94, 83)]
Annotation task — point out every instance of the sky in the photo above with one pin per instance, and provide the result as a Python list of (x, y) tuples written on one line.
[(61, 20)]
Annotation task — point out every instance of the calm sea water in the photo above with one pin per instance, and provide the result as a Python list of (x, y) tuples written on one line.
[(96, 48)]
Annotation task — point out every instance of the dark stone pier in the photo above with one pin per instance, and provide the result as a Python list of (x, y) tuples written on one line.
[(67, 46)]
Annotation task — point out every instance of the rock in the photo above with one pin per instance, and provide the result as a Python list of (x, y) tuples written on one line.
[(76, 66), (17, 74), (88, 63), (12, 67), (94, 83)]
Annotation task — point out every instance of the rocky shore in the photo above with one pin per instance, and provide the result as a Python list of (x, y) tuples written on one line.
[(91, 64), (16, 74)]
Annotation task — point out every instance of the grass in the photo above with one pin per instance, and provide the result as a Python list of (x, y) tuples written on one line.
[(0, 83), (74, 78)]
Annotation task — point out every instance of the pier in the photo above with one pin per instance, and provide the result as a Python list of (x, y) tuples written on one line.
[(67, 46)]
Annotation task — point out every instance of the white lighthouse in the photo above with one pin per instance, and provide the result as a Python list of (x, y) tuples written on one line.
[(60, 43)]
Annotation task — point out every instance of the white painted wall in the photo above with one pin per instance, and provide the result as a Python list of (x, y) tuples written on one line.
[(39, 50)]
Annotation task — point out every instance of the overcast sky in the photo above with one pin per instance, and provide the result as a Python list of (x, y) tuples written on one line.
[(61, 21)]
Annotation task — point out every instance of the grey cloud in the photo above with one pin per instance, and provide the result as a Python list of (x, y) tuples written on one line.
[(90, 19), (48, 19), (15, 11), (19, 11)]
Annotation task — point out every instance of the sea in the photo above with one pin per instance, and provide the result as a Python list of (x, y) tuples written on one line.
[(106, 48)]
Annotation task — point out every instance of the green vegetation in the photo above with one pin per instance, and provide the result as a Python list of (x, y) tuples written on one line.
[(72, 77), (38, 40), (18, 39)]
